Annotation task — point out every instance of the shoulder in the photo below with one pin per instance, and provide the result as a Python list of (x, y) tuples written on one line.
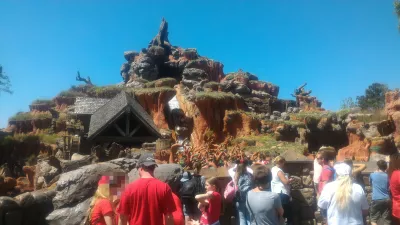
[(357, 188)]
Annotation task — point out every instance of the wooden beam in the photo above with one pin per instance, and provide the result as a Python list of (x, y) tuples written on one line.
[(127, 121), (125, 139), (134, 130), (119, 129)]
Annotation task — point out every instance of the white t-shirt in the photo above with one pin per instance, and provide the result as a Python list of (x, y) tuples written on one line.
[(276, 184), (352, 215), (317, 171)]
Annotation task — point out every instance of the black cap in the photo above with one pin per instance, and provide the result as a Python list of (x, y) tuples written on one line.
[(146, 159)]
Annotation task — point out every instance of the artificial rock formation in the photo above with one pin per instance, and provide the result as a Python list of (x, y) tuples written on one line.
[(392, 108)]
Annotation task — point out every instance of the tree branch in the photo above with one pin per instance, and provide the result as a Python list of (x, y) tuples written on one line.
[(87, 81)]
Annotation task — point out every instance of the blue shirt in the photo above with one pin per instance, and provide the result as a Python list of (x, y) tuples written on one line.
[(380, 185)]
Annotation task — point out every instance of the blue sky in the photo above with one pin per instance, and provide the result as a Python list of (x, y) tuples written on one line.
[(339, 47)]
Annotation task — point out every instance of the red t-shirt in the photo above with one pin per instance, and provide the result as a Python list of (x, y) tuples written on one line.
[(178, 213), (326, 175), (101, 208), (395, 190), (145, 201), (211, 213)]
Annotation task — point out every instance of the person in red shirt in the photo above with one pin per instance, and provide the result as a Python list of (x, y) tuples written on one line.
[(177, 215), (146, 201), (394, 177), (327, 172), (101, 211), (210, 203)]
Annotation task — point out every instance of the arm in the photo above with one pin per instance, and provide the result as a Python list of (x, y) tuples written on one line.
[(169, 220), (279, 212), (203, 197), (358, 168), (283, 178), (122, 219), (109, 219)]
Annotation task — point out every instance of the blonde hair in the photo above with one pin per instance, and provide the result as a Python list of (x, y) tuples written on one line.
[(278, 159), (343, 193), (102, 192)]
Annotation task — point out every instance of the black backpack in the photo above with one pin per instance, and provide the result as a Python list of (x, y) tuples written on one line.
[(190, 189)]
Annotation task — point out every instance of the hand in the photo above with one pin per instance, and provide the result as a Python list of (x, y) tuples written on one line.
[(209, 193)]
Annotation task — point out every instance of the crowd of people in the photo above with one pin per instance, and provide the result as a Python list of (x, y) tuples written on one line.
[(261, 196)]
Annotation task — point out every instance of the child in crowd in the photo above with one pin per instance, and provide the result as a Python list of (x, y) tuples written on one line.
[(210, 203)]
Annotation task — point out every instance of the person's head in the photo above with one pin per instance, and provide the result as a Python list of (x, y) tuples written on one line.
[(324, 158), (240, 170), (262, 178), (319, 158), (279, 161), (146, 165), (197, 167), (382, 165), (349, 162), (117, 183), (211, 184), (345, 185)]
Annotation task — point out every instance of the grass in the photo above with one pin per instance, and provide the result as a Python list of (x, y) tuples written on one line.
[(212, 85), (250, 114), (267, 143), (71, 94), (28, 138), (48, 138), (167, 80), (141, 91), (214, 95), (104, 91)]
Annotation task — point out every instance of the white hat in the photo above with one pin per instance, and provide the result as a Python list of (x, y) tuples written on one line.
[(342, 169)]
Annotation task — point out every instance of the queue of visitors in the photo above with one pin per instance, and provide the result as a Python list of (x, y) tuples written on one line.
[(261, 197)]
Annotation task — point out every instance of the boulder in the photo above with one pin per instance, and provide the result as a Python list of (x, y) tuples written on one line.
[(168, 173), (190, 53), (276, 113), (78, 185), (156, 53), (370, 130), (296, 110), (145, 68), (40, 207), (289, 109), (296, 182), (10, 211), (69, 165), (46, 170), (77, 156), (241, 89), (194, 74), (71, 215), (130, 55), (125, 164)]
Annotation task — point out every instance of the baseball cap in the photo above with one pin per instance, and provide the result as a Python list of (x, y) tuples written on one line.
[(146, 159)]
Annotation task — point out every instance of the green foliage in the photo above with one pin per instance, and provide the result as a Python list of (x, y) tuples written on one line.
[(43, 102), (5, 84), (31, 160), (48, 138), (348, 103), (343, 113), (22, 116), (212, 85), (314, 115), (374, 98)]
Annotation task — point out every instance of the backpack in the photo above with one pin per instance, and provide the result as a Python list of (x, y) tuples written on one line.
[(230, 191), (190, 189)]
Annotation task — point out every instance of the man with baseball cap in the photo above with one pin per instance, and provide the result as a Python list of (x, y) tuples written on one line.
[(146, 200)]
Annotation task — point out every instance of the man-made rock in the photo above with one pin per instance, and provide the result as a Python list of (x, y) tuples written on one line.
[(46, 170), (124, 163), (71, 215), (69, 165), (10, 212), (130, 55), (77, 156), (144, 68), (80, 184), (276, 113), (168, 173)]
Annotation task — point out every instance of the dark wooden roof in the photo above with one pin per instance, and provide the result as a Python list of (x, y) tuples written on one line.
[(88, 106), (116, 107)]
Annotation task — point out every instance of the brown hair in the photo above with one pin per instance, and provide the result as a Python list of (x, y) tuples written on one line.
[(279, 159), (262, 176), (213, 181), (382, 165)]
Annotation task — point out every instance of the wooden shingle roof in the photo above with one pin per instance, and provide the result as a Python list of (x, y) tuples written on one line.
[(116, 107)]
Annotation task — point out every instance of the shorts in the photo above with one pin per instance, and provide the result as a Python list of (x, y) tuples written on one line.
[(191, 210), (381, 209)]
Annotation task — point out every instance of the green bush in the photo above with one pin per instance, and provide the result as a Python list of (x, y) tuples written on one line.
[(43, 102), (105, 91)]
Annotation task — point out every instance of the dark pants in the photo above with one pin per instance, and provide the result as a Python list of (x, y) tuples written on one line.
[(287, 209), (381, 209)]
